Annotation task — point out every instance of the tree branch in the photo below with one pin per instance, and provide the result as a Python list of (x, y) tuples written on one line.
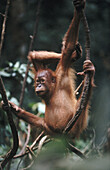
[(4, 26), (27, 70), (30, 48), (13, 151), (76, 151)]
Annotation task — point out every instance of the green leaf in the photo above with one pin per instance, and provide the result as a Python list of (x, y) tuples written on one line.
[(4, 74)]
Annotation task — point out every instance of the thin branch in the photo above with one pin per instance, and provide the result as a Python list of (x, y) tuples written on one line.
[(32, 146), (28, 67), (31, 152), (36, 140), (13, 151), (27, 140), (30, 48), (42, 141), (4, 26), (27, 152), (90, 143), (76, 151), (29, 166), (76, 91), (2, 14)]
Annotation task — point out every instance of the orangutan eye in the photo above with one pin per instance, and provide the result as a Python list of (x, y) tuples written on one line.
[(42, 81), (37, 81), (53, 79)]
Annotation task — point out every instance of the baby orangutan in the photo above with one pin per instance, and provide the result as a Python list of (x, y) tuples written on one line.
[(56, 88)]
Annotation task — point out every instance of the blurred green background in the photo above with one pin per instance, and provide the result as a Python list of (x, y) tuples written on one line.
[(54, 19)]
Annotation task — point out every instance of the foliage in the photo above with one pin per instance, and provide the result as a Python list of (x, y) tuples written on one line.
[(55, 17)]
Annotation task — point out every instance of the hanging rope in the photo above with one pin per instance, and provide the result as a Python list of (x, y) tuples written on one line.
[(87, 78)]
